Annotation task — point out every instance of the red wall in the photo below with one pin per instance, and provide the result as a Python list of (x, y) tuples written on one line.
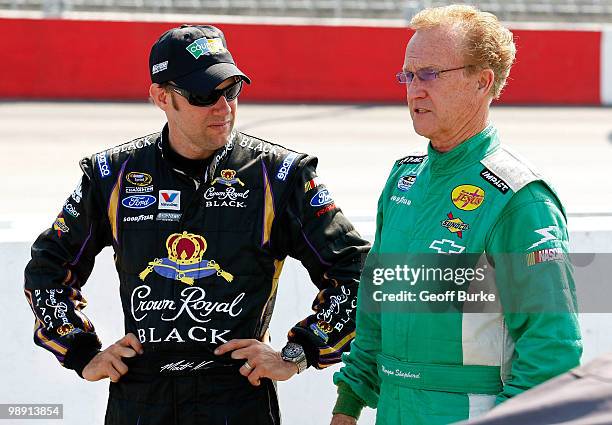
[(69, 59)]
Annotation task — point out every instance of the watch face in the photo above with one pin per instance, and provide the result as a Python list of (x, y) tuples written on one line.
[(292, 350)]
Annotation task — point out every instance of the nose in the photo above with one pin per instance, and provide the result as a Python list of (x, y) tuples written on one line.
[(415, 90), (222, 105)]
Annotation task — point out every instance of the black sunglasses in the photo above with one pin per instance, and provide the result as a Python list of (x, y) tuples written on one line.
[(230, 93)]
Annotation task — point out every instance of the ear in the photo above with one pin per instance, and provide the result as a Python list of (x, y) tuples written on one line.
[(486, 78), (160, 97)]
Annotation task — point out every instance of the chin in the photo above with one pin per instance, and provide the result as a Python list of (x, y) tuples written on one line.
[(421, 130), (219, 141)]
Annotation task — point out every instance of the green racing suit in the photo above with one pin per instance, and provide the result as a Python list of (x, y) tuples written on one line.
[(442, 366)]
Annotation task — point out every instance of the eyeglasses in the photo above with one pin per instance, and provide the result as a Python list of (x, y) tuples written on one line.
[(230, 93), (424, 74)]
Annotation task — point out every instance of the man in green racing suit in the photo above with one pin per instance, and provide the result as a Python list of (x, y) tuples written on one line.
[(466, 195)]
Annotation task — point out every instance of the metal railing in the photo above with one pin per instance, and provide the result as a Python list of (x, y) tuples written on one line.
[(508, 10)]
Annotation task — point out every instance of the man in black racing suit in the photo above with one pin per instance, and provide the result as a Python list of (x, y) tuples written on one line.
[(201, 218)]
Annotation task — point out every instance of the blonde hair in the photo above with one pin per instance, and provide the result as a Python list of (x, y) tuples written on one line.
[(488, 44)]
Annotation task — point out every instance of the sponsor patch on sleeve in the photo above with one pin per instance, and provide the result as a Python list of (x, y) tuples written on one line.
[(311, 184), (325, 209), (77, 194), (60, 226), (545, 255), (495, 180), (285, 167), (413, 159), (103, 166), (71, 209), (321, 198)]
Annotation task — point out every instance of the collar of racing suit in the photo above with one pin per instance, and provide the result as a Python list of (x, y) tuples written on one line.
[(465, 154), (199, 170), (192, 167)]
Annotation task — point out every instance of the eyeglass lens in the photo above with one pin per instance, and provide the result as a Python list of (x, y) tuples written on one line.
[(230, 93), (423, 75)]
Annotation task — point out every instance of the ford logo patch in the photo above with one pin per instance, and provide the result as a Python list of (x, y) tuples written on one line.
[(138, 201), (322, 197)]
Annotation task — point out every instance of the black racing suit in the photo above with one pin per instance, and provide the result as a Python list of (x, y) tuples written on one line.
[(198, 255)]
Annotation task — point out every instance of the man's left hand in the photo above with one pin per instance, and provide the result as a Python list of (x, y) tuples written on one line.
[(261, 361)]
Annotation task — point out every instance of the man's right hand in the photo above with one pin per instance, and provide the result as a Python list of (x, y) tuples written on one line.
[(108, 363), (340, 419)]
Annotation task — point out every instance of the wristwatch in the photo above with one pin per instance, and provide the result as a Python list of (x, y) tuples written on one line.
[(294, 353)]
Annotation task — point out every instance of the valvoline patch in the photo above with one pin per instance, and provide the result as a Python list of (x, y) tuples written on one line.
[(322, 197)]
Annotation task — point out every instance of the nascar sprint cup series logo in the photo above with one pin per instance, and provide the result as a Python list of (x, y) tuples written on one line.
[(140, 182)]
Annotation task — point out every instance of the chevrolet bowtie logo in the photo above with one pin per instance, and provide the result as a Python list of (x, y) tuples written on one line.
[(446, 246)]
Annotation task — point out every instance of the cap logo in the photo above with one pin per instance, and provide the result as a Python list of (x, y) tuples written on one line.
[(206, 46), (159, 67)]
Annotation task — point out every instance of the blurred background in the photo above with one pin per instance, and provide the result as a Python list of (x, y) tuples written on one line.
[(588, 11), (74, 80)]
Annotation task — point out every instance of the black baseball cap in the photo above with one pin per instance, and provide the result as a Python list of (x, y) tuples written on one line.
[(194, 57)]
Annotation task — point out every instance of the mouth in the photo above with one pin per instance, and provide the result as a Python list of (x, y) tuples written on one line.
[(420, 111), (220, 125)]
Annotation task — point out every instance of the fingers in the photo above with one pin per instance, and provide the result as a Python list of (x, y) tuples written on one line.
[(252, 372), (243, 353), (109, 362), (105, 365), (254, 377), (112, 373), (130, 340), (247, 368), (234, 344), (121, 351), (119, 366)]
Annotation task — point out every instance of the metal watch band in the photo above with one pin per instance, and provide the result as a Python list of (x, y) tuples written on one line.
[(299, 360), (302, 365)]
